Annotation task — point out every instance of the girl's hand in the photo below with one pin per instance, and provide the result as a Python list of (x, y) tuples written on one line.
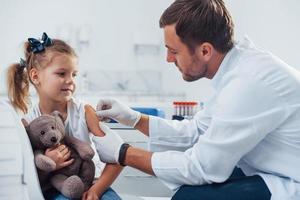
[(60, 155), (91, 194)]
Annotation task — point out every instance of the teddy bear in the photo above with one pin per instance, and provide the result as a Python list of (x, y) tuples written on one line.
[(48, 131)]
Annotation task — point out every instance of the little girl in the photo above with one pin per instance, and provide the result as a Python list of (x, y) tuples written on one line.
[(51, 66)]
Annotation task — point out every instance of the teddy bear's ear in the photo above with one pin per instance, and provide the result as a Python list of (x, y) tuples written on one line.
[(25, 124), (57, 114)]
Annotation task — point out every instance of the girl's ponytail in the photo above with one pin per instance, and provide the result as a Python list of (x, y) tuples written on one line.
[(18, 86)]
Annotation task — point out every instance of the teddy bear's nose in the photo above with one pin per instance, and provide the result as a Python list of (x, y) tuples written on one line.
[(53, 139)]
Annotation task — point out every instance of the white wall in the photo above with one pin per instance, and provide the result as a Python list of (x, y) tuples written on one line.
[(110, 29)]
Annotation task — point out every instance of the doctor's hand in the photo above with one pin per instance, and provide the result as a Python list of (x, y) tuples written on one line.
[(111, 108), (108, 146)]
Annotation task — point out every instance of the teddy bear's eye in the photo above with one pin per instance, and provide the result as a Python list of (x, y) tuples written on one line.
[(42, 132), (52, 127)]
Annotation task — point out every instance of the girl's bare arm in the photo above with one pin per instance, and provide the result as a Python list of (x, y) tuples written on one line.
[(111, 171), (92, 121)]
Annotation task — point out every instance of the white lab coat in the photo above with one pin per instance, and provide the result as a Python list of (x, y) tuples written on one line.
[(252, 121)]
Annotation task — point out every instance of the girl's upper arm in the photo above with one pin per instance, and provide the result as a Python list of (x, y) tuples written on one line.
[(92, 121)]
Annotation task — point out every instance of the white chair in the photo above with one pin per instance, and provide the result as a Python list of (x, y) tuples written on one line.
[(18, 176)]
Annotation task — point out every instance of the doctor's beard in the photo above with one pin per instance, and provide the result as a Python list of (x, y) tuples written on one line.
[(191, 78)]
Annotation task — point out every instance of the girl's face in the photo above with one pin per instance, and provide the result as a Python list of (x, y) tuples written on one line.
[(56, 82)]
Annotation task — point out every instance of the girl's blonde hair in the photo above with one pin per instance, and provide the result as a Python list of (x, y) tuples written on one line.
[(18, 74)]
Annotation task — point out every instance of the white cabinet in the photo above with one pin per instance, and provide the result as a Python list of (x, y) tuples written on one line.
[(134, 182)]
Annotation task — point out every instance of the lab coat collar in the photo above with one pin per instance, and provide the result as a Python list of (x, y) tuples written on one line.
[(223, 68), (230, 59)]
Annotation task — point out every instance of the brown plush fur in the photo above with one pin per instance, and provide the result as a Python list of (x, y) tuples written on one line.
[(48, 131)]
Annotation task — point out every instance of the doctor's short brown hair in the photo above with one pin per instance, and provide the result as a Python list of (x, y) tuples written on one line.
[(199, 21)]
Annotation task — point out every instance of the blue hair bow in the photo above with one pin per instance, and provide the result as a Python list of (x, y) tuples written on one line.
[(37, 46)]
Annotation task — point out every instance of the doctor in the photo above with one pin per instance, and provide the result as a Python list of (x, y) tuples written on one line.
[(245, 144)]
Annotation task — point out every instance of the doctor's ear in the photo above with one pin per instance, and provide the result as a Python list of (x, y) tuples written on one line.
[(205, 51)]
